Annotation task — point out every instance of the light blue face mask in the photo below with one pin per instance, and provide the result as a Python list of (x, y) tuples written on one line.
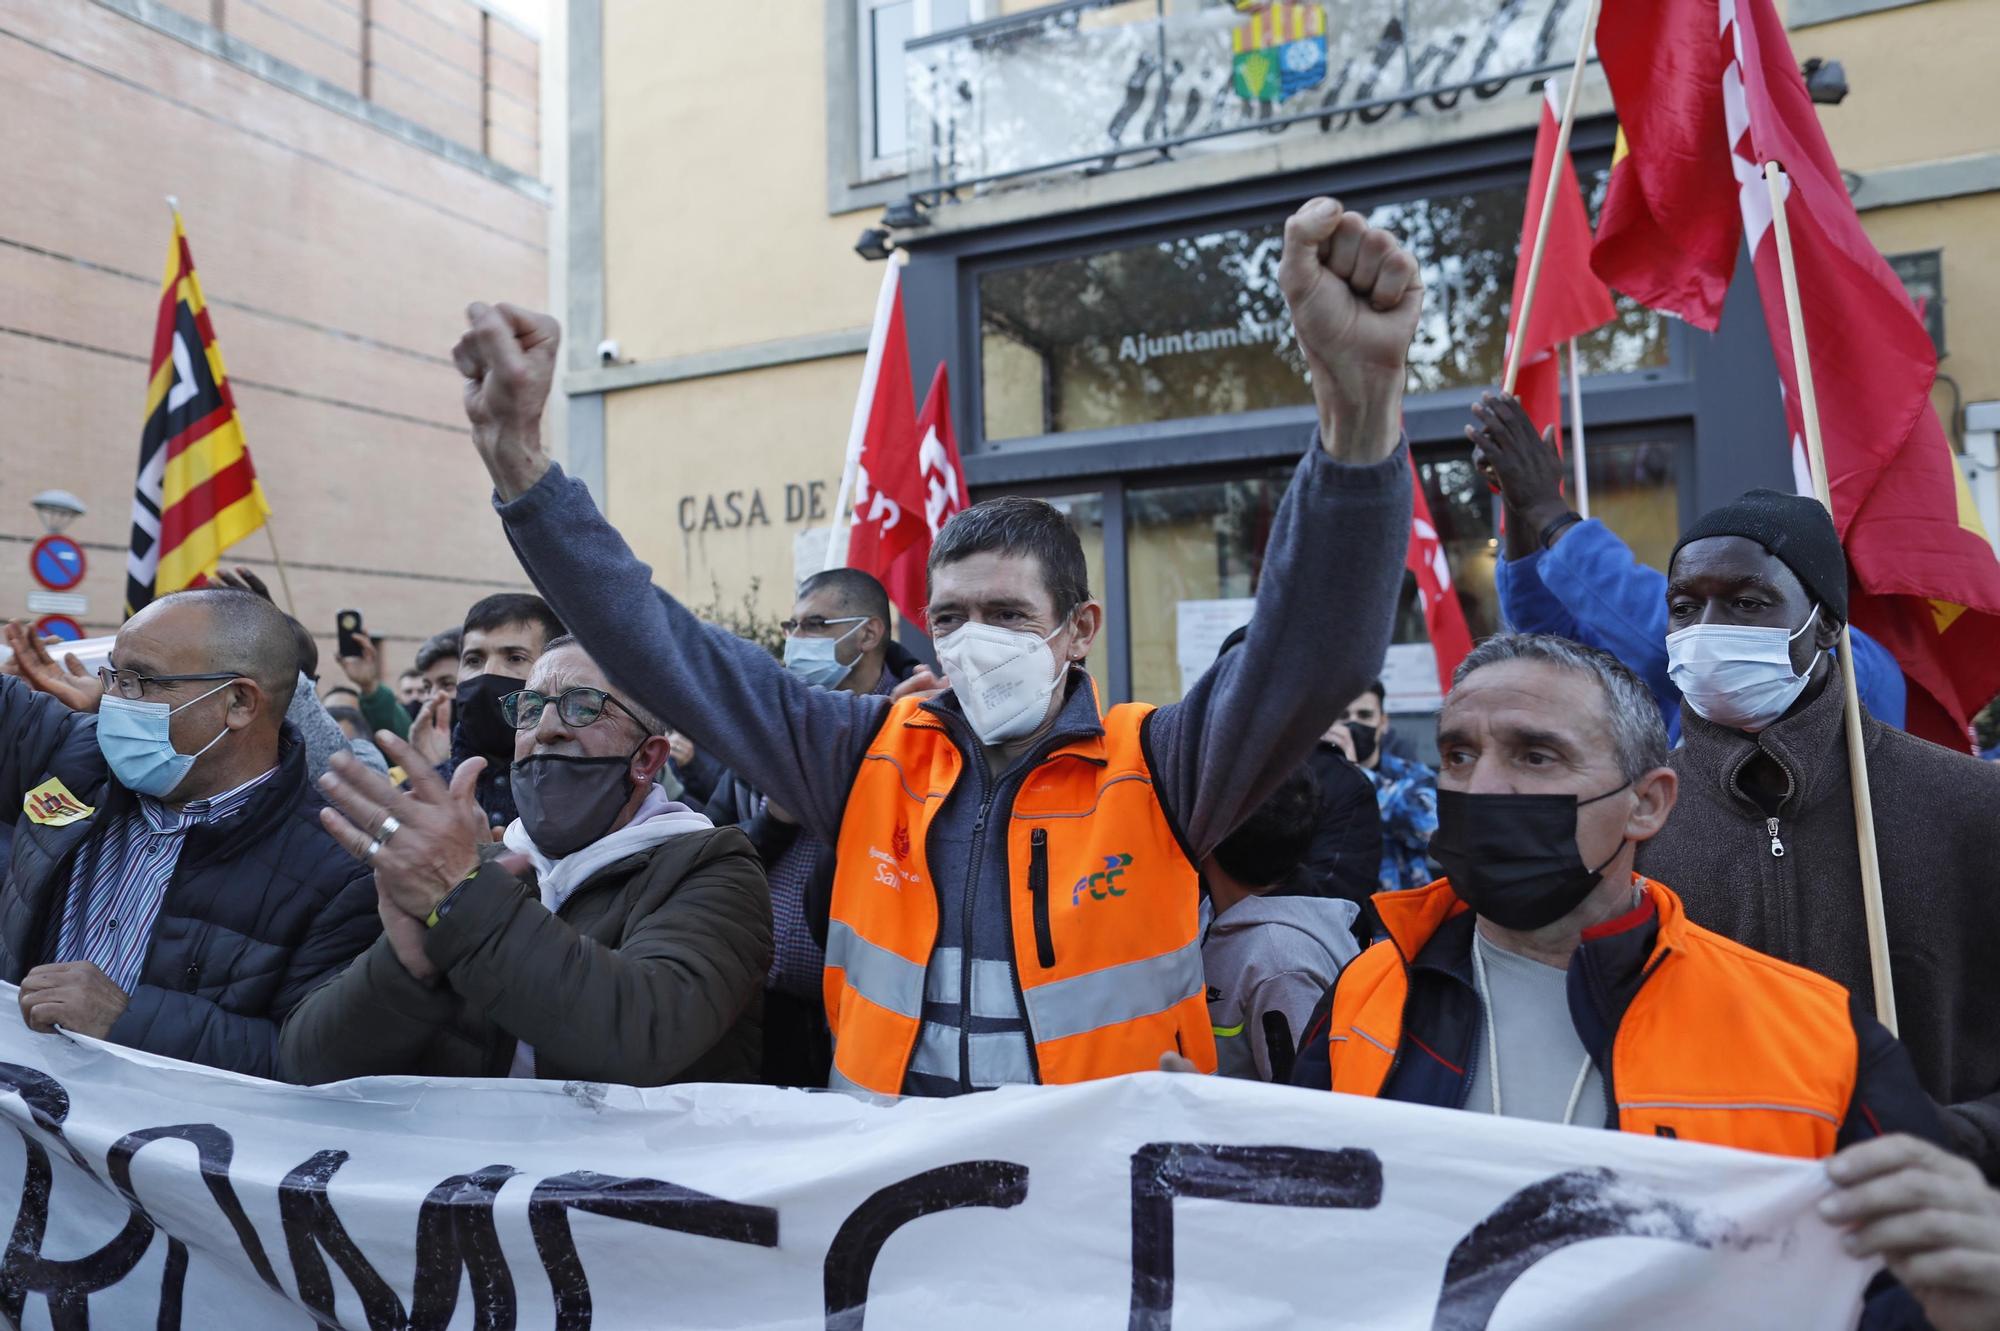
[(136, 739), (816, 660)]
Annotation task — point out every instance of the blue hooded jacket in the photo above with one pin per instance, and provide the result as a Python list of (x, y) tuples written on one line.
[(1590, 588)]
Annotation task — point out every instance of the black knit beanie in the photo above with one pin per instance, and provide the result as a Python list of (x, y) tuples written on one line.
[(1796, 530)]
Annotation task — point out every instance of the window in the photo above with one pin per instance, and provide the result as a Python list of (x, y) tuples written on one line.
[(881, 29), (1196, 326), (1193, 556), (1922, 275)]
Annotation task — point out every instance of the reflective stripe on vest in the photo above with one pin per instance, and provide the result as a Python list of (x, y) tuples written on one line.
[(1721, 1044), (999, 1058), (1116, 994), (992, 985), (877, 974), (1102, 904)]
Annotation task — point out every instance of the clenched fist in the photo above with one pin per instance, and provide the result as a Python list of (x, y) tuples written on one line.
[(1355, 295), (508, 358)]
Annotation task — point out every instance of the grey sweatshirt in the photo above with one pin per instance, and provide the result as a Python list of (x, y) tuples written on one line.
[(1331, 574), (1266, 958), (323, 735)]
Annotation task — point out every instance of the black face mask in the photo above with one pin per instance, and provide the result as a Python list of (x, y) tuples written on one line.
[(567, 801), (476, 712), (1364, 741), (1514, 858), (414, 706)]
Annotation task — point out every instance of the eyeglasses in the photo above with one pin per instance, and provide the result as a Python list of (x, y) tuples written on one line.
[(817, 624), (131, 685), (578, 706)]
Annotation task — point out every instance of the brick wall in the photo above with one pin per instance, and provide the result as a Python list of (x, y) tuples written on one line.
[(337, 260)]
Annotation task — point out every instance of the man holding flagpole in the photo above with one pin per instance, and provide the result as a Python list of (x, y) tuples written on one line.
[(1792, 784), (1015, 897), (1573, 576)]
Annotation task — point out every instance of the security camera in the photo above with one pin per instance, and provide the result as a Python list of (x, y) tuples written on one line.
[(607, 352)]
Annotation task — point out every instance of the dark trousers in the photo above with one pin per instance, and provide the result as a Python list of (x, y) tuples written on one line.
[(798, 1048)]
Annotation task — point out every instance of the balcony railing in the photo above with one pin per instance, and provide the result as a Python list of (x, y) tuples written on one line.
[(1102, 85)]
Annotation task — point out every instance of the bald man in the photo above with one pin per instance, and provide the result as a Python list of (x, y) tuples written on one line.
[(170, 887)]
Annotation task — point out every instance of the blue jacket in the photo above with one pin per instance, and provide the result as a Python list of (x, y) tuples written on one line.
[(1406, 792), (1590, 589), (262, 908)]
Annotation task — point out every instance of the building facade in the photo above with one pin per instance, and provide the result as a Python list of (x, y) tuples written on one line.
[(351, 173), (1090, 197)]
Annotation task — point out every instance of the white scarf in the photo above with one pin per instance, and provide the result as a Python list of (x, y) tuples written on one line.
[(659, 817)]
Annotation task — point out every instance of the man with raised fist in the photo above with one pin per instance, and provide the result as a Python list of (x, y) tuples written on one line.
[(1015, 898)]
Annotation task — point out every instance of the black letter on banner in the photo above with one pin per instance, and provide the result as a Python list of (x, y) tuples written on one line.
[(1567, 1208), (644, 1200), (214, 1149), (67, 1285), (310, 1224), (1256, 1175), (455, 1232), (850, 1259)]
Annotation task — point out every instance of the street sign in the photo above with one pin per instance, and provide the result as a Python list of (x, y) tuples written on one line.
[(57, 563), (58, 626), (58, 603)]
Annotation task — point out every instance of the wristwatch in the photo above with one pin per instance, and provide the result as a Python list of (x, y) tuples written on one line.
[(1555, 527), (443, 908)]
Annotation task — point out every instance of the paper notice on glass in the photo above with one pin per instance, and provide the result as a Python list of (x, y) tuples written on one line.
[(1410, 678), (1199, 630)]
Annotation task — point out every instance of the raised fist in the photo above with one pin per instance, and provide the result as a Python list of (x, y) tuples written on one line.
[(1355, 295), (508, 358)]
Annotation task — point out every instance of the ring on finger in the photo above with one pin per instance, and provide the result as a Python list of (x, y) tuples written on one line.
[(390, 826), (374, 849)]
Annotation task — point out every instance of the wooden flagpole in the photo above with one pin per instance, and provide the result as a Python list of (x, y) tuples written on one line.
[(1857, 754), (284, 578), (1549, 194), (1581, 473)]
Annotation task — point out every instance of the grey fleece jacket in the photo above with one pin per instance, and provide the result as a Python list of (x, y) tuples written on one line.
[(1269, 960), (1331, 573)]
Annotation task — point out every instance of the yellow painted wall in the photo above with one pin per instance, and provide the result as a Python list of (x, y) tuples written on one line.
[(670, 448), (1921, 91), (716, 232), (1922, 80), (1966, 229)]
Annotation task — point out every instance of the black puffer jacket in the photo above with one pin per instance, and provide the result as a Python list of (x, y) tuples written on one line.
[(262, 908)]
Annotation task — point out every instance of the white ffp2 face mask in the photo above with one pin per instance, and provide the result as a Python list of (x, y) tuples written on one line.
[(1003, 678), (1737, 675)]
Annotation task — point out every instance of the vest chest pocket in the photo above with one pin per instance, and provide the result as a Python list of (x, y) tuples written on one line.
[(1038, 892)]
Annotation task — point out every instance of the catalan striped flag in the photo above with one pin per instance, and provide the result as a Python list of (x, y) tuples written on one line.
[(197, 493)]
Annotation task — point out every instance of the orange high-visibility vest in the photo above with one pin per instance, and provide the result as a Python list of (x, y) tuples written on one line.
[(1103, 901), (1721, 1044)]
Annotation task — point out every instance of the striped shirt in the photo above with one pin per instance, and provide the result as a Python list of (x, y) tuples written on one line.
[(116, 887)]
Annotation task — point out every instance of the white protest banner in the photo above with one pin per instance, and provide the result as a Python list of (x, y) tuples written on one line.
[(159, 1194)]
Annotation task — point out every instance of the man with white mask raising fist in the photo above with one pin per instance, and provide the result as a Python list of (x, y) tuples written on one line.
[(1016, 893)]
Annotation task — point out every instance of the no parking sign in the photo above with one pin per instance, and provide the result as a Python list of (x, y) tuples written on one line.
[(57, 563)]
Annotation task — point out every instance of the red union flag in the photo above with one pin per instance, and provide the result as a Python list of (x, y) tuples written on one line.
[(1570, 299), (1709, 92), (909, 480), (927, 490), (1444, 617)]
